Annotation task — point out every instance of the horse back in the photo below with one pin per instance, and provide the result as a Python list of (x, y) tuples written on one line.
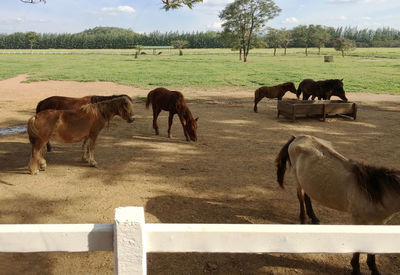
[(62, 103), (164, 99), (322, 172)]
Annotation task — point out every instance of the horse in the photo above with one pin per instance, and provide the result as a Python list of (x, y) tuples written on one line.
[(68, 103), (174, 103), (371, 195), (323, 89), (71, 126), (277, 91)]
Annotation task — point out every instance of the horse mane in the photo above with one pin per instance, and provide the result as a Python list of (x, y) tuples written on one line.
[(99, 98), (107, 108), (374, 181)]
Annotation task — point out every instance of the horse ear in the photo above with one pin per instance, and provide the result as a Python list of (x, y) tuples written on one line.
[(341, 79), (197, 118)]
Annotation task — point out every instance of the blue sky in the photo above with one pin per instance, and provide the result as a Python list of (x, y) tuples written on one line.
[(71, 16)]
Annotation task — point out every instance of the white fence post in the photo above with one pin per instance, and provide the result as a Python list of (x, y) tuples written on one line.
[(129, 247)]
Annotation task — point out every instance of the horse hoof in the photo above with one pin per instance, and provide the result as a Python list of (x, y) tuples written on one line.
[(43, 168), (34, 172), (94, 165)]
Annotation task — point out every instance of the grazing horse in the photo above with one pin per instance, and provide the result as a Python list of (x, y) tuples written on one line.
[(69, 103), (70, 126), (174, 103), (277, 91), (322, 89), (371, 195)]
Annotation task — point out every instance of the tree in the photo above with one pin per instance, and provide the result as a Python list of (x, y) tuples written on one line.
[(180, 44), (344, 45), (273, 39), (303, 35), (167, 4), (319, 37), (243, 18), (285, 38), (32, 37)]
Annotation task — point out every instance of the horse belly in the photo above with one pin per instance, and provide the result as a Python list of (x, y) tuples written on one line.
[(68, 133), (324, 180)]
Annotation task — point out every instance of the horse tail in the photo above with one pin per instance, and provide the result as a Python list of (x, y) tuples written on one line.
[(148, 100), (39, 106), (281, 160), (298, 92), (32, 130)]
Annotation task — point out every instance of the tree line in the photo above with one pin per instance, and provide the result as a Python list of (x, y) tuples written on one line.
[(117, 38)]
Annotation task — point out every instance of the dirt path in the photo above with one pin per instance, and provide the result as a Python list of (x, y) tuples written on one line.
[(228, 176)]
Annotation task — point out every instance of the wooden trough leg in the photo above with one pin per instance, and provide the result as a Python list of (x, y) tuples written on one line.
[(323, 112), (293, 113)]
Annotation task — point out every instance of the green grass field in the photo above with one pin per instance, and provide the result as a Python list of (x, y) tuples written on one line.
[(366, 70)]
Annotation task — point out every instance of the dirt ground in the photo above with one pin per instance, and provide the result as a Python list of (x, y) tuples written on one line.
[(227, 176)]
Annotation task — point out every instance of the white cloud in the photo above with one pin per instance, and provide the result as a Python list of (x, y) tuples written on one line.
[(342, 17), (115, 11), (367, 18), (291, 20)]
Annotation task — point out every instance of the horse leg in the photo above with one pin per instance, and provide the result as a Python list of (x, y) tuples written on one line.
[(92, 141), (305, 96), (170, 118), (309, 209), (48, 146), (355, 263), (85, 149), (372, 265), (156, 112), (37, 161), (256, 100), (300, 196)]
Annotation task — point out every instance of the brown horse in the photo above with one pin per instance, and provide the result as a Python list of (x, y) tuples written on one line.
[(70, 126), (174, 103), (277, 91), (323, 89), (69, 103), (371, 195)]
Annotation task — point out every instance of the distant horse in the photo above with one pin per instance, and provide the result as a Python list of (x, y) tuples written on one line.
[(277, 91), (323, 89), (70, 126), (174, 103), (371, 195), (69, 103)]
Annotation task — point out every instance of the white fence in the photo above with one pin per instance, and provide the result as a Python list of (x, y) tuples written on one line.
[(130, 238)]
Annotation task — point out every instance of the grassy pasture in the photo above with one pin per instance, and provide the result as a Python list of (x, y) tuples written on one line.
[(375, 70)]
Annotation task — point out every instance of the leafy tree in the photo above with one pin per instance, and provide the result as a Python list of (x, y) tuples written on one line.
[(344, 45), (243, 18), (167, 4), (285, 38), (273, 39), (303, 35), (180, 44), (32, 37), (319, 37)]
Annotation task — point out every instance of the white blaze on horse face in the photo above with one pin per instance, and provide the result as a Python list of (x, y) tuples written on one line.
[(320, 171)]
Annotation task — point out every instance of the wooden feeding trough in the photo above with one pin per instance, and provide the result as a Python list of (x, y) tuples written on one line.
[(293, 108)]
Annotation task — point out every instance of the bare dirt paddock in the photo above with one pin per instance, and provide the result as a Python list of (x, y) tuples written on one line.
[(228, 176)]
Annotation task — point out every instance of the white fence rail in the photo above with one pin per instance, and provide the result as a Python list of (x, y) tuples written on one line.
[(130, 238)]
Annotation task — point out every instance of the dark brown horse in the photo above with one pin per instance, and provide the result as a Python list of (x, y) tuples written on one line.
[(174, 103), (277, 91), (69, 103), (322, 89), (371, 195), (70, 126)]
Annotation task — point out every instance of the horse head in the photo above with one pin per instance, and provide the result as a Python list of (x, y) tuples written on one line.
[(289, 86), (190, 126), (338, 90), (126, 110)]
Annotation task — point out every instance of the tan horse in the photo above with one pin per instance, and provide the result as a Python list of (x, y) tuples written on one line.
[(277, 92), (174, 103), (71, 126), (371, 195)]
